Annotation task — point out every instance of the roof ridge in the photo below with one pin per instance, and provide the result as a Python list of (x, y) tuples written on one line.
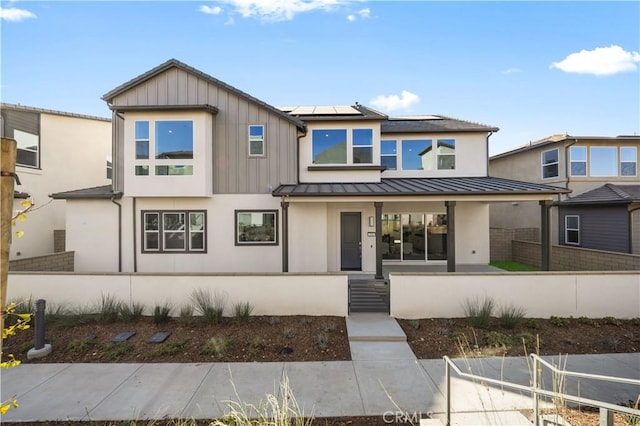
[(477, 123), (52, 111), (619, 191)]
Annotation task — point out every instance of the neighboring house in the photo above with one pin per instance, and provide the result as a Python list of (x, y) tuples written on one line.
[(56, 151), (210, 179), (605, 218), (578, 163)]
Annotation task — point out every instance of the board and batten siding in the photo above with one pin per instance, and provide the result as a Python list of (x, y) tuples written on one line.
[(26, 121), (234, 172), (601, 227)]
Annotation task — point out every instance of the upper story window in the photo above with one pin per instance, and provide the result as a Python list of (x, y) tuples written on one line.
[(389, 154), (28, 146), (446, 154), (628, 161), (170, 140), (340, 146), (550, 164), (604, 161), (417, 154), (578, 155), (256, 141)]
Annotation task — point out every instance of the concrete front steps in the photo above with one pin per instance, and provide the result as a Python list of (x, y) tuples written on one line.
[(376, 336)]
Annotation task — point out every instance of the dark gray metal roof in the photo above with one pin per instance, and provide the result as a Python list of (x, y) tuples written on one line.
[(606, 194), (125, 108), (361, 113), (96, 192), (433, 124), (174, 63), (419, 186), (5, 105)]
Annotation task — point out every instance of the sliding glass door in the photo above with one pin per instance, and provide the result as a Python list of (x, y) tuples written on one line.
[(414, 236)]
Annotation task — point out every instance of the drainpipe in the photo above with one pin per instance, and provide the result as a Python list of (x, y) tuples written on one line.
[(567, 165), (298, 137), (488, 136), (113, 200), (285, 234), (135, 236)]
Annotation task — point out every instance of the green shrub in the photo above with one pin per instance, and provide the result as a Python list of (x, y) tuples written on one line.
[(511, 316), (478, 312), (131, 313), (216, 346), (589, 321), (274, 320), (242, 311), (612, 321), (529, 341), (415, 324), (256, 347), (80, 345), (289, 332), (109, 310), (185, 317), (496, 339), (306, 321), (635, 321), (558, 321), (168, 349), (532, 323), (162, 313), (328, 327), (211, 307), (323, 341), (115, 351)]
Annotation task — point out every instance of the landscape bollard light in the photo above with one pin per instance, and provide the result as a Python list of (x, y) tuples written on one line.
[(40, 349)]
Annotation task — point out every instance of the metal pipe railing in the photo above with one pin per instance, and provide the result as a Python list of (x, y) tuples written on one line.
[(535, 390)]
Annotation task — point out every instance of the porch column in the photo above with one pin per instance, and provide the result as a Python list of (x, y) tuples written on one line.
[(285, 236), (451, 235), (545, 238), (378, 213)]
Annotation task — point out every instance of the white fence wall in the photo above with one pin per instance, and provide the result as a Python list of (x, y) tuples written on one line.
[(542, 294), (270, 294)]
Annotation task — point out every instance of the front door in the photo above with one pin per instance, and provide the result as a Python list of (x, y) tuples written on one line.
[(350, 242)]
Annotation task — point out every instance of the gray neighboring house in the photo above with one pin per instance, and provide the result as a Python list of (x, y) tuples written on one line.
[(605, 218)]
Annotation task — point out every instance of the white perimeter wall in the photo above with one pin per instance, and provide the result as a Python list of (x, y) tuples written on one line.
[(542, 294), (270, 294)]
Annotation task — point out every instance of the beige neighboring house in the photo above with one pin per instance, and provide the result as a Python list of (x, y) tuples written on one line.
[(57, 151), (582, 164)]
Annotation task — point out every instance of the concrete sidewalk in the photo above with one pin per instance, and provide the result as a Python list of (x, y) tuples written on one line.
[(383, 378)]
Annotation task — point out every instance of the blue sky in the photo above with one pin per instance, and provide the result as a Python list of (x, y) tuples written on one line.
[(530, 68)]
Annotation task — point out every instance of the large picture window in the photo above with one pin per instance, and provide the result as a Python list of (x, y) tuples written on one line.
[(604, 161), (417, 154), (174, 231), (342, 146), (159, 144), (550, 164), (28, 146), (256, 227), (572, 229)]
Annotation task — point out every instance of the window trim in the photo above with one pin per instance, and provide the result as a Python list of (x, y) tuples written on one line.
[(616, 161), (354, 146), (349, 147), (449, 154), (556, 163), (634, 162), (160, 232), (585, 161), (236, 213), (262, 140), (567, 229), (395, 155), (152, 163), (37, 152)]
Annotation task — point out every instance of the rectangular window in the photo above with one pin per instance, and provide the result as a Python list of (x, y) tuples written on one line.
[(28, 146), (446, 154), (417, 154), (550, 164), (109, 167), (329, 146), (256, 227), (142, 140), (362, 146), (174, 139), (174, 170), (389, 154), (174, 231), (572, 229), (603, 161), (628, 160), (256, 141), (578, 155), (142, 170)]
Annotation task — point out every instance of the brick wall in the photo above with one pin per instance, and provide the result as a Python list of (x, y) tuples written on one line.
[(59, 244), (52, 262), (500, 241), (565, 258)]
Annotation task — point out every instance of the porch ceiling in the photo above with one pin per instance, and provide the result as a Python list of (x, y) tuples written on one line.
[(468, 187)]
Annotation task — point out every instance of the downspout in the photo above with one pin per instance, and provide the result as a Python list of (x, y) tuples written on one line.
[(285, 234), (113, 200), (488, 136), (567, 164), (135, 236), (298, 137)]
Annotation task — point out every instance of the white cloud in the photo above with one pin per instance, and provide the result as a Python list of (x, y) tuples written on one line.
[(215, 10), (279, 10), (351, 18), (395, 102), (599, 61), (365, 13), (15, 15), (511, 71), (230, 21)]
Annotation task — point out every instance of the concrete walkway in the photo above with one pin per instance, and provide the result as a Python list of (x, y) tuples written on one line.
[(383, 379)]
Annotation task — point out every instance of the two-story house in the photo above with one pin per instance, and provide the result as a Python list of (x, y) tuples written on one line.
[(599, 171), (208, 178), (56, 151)]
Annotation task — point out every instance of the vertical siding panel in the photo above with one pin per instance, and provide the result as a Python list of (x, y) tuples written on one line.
[(192, 89), (202, 92), (172, 87), (162, 98), (152, 92), (213, 96), (238, 167)]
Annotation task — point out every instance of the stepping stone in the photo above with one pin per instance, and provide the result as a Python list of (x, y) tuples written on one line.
[(160, 337), (124, 336)]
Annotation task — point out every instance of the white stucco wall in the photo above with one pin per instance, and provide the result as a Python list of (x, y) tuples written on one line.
[(73, 154), (308, 237), (472, 233)]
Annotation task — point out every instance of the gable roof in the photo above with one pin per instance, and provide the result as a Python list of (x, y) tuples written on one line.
[(96, 192), (174, 63), (18, 107), (606, 194), (482, 185), (432, 124), (561, 138)]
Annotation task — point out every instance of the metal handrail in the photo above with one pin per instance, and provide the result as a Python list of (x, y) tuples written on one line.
[(536, 392)]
